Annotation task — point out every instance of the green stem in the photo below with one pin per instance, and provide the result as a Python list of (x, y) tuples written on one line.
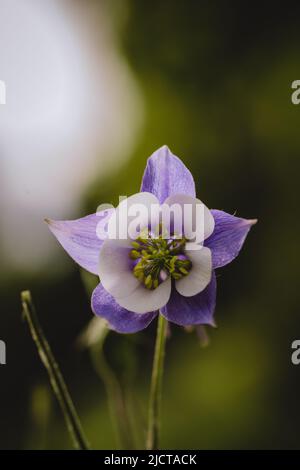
[(56, 379), (115, 398), (156, 385)]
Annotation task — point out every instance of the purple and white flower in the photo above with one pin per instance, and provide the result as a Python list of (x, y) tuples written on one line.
[(154, 273)]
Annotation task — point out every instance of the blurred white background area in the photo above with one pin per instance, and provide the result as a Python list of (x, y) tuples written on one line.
[(73, 111)]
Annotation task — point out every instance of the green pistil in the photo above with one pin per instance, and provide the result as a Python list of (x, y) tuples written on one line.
[(157, 257)]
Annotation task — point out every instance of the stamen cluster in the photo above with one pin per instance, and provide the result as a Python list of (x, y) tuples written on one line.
[(156, 259)]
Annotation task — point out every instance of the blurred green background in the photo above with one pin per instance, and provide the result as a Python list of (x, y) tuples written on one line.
[(212, 80)]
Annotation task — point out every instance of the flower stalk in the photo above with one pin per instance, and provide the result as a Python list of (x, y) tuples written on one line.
[(115, 396), (154, 416), (56, 379)]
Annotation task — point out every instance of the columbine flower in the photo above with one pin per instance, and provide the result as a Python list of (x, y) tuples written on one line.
[(152, 272)]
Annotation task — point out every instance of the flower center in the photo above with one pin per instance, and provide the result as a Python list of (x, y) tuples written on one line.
[(157, 258)]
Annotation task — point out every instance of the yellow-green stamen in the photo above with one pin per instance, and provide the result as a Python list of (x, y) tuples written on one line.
[(158, 258)]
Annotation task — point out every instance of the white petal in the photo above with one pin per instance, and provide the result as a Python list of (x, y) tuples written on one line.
[(203, 225), (135, 211), (200, 274), (143, 300), (115, 268)]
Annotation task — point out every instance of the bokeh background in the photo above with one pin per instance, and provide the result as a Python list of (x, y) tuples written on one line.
[(93, 88)]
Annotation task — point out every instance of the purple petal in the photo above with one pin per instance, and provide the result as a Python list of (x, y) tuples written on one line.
[(165, 175), (198, 309), (228, 237), (119, 319), (79, 238)]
